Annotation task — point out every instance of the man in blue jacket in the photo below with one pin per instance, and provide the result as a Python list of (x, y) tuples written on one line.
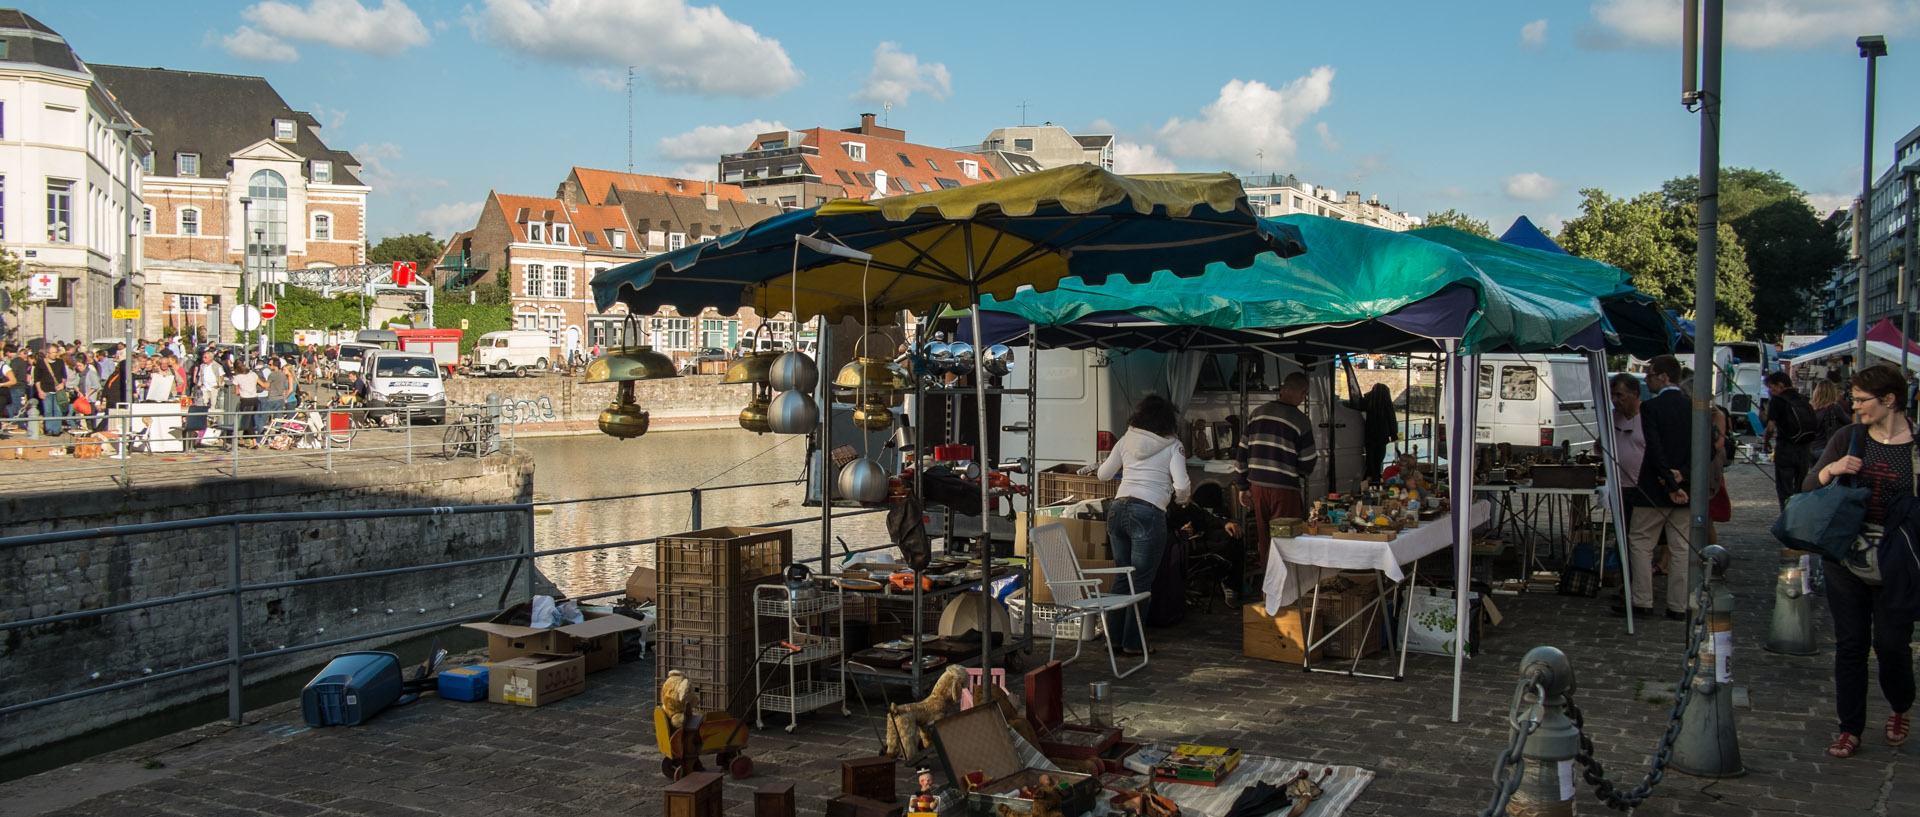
[(1659, 498)]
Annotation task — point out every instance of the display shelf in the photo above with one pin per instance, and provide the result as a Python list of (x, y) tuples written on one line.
[(768, 604), (804, 623), (820, 650), (802, 696)]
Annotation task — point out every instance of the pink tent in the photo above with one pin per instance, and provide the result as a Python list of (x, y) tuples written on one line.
[(1886, 332)]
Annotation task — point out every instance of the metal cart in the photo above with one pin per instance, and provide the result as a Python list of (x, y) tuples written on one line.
[(816, 626)]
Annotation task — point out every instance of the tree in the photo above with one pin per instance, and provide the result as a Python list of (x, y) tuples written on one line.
[(1790, 252), (1459, 221), (1655, 245), (421, 248), (13, 291)]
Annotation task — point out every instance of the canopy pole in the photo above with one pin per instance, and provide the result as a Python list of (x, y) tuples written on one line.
[(1609, 460), (1460, 484), (980, 456), (821, 353)]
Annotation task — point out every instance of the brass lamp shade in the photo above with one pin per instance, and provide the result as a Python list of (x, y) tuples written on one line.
[(630, 363), (755, 417), (874, 414), (873, 374), (754, 368), (624, 419)]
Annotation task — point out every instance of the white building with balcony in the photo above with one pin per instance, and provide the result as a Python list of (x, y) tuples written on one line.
[(1277, 195)]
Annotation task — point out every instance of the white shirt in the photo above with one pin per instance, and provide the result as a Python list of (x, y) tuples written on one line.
[(1152, 468)]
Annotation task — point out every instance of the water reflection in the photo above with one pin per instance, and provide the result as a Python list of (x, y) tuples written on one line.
[(582, 467)]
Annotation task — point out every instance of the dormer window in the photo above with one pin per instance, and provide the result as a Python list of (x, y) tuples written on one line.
[(559, 233), (323, 172), (855, 151), (283, 130), (618, 238), (187, 164), (970, 168), (536, 233)]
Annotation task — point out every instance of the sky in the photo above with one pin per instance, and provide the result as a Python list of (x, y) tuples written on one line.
[(1495, 108)]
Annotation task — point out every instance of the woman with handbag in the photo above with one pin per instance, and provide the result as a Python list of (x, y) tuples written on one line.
[(1861, 620)]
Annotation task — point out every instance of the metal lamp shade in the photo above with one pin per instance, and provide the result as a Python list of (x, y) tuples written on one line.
[(998, 360), (792, 372), (962, 362), (793, 412), (755, 417), (754, 368), (630, 363), (624, 419), (938, 356), (873, 374), (874, 414), (863, 481)]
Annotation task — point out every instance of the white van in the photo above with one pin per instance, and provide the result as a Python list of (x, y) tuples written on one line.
[(1536, 401), (352, 357), (513, 351), (406, 382)]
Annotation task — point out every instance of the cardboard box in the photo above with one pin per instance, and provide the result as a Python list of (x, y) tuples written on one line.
[(536, 680), (36, 452), (1089, 536), (597, 638), (1275, 638), (1042, 594), (643, 584)]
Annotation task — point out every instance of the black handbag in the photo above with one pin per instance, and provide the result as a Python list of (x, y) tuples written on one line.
[(1827, 520)]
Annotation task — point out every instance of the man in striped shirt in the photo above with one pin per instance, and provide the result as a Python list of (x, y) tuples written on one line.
[(1276, 455)]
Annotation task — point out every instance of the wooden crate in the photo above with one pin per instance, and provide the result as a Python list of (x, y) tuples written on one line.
[(1062, 481), (1343, 597), (724, 557), (696, 795)]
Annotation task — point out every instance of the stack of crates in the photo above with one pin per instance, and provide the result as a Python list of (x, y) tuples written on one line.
[(705, 596)]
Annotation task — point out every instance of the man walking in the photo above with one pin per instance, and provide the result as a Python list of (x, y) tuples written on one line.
[(1793, 426), (1659, 496), (1276, 455)]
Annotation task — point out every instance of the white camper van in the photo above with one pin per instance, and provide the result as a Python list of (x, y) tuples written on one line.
[(1086, 396), (1536, 401), (513, 351)]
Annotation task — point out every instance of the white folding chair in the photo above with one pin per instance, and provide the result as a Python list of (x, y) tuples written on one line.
[(1079, 597)]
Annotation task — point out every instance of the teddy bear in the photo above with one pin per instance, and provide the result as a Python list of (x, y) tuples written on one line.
[(674, 697)]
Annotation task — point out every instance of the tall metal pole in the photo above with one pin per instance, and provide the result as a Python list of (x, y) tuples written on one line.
[(1872, 48), (1703, 280), (1907, 177)]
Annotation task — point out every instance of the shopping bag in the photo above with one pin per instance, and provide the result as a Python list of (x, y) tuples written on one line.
[(1826, 520), (1435, 621), (82, 405)]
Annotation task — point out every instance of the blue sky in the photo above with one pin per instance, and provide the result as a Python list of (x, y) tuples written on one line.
[(1496, 108)]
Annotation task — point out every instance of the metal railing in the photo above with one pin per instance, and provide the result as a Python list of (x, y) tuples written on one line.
[(153, 438), (236, 585)]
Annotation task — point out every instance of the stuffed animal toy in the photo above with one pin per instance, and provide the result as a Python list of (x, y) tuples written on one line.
[(907, 723), (674, 695)]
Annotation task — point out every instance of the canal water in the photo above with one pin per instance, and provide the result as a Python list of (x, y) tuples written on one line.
[(589, 466)]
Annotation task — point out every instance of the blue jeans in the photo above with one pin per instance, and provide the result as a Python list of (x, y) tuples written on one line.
[(1137, 531), (52, 424), (277, 408), (17, 405)]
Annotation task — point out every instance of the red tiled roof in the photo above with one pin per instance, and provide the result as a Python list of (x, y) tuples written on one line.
[(594, 184), (885, 154), (538, 208), (596, 220)]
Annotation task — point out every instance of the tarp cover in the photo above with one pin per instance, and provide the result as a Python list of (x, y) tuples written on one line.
[(1076, 223), (1528, 300)]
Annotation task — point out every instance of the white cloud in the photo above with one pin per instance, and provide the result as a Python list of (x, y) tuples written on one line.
[(1326, 136), (707, 172), (1454, 192), (1758, 23), (897, 75), (707, 142), (1529, 186), (1249, 117), (1133, 157), (679, 48), (446, 219), (604, 77), (1534, 34), (330, 117), (1824, 204), (248, 44), (385, 31)]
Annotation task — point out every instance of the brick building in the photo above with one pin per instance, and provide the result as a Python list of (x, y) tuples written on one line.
[(793, 169), (238, 182)]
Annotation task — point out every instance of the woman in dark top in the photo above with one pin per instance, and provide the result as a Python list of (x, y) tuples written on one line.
[(1830, 411), (1860, 617)]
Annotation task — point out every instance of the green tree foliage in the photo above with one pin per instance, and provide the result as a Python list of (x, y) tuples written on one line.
[(481, 317), (1656, 245), (1459, 221), (420, 248), (13, 290), (1790, 251), (302, 308)]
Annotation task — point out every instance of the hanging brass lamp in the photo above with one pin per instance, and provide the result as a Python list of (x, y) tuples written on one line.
[(754, 370), (624, 419), (873, 374)]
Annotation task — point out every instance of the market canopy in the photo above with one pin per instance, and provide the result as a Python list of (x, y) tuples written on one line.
[(1883, 341), (1360, 288), (1839, 341), (948, 246)]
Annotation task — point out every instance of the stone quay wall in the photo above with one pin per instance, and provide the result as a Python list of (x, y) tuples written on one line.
[(99, 572), (692, 396)]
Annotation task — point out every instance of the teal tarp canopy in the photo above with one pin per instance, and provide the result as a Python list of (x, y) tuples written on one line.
[(1528, 300)]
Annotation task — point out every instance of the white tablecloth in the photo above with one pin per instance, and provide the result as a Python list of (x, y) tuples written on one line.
[(1298, 563)]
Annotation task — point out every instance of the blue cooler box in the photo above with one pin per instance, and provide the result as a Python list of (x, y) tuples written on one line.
[(352, 689), (464, 683)]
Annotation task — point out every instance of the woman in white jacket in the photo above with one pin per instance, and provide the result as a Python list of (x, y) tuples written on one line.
[(1153, 471)]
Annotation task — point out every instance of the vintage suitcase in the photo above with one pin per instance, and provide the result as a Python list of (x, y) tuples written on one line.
[(1044, 710), (871, 777), (696, 795), (979, 740), (853, 805)]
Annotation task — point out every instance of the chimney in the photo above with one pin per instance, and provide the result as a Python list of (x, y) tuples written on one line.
[(712, 199), (866, 123)]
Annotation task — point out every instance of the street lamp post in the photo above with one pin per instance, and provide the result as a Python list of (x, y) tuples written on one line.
[(246, 258), (260, 280), (1872, 48), (126, 300)]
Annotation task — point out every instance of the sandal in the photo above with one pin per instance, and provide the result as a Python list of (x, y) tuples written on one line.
[(1898, 728), (1844, 746)]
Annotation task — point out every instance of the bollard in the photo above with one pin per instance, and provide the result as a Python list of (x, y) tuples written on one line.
[(1792, 632), (1547, 777), (1708, 745)]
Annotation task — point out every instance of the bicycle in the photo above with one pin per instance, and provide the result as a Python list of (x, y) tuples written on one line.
[(472, 434)]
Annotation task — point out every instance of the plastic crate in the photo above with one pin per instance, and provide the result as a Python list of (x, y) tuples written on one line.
[(1061, 482), (1045, 620), (724, 557), (695, 610), (718, 666)]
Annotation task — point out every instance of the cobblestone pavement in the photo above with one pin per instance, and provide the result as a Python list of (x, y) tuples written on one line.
[(593, 754)]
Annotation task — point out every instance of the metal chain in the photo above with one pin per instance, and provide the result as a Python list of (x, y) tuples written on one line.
[(1605, 790), (1506, 772)]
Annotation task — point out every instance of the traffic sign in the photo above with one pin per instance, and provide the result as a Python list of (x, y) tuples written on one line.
[(246, 317), (126, 314), (268, 310), (43, 286), (403, 273), (463, 324)]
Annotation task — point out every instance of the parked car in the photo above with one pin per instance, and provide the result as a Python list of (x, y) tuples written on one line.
[(352, 359), (512, 351), (406, 382)]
